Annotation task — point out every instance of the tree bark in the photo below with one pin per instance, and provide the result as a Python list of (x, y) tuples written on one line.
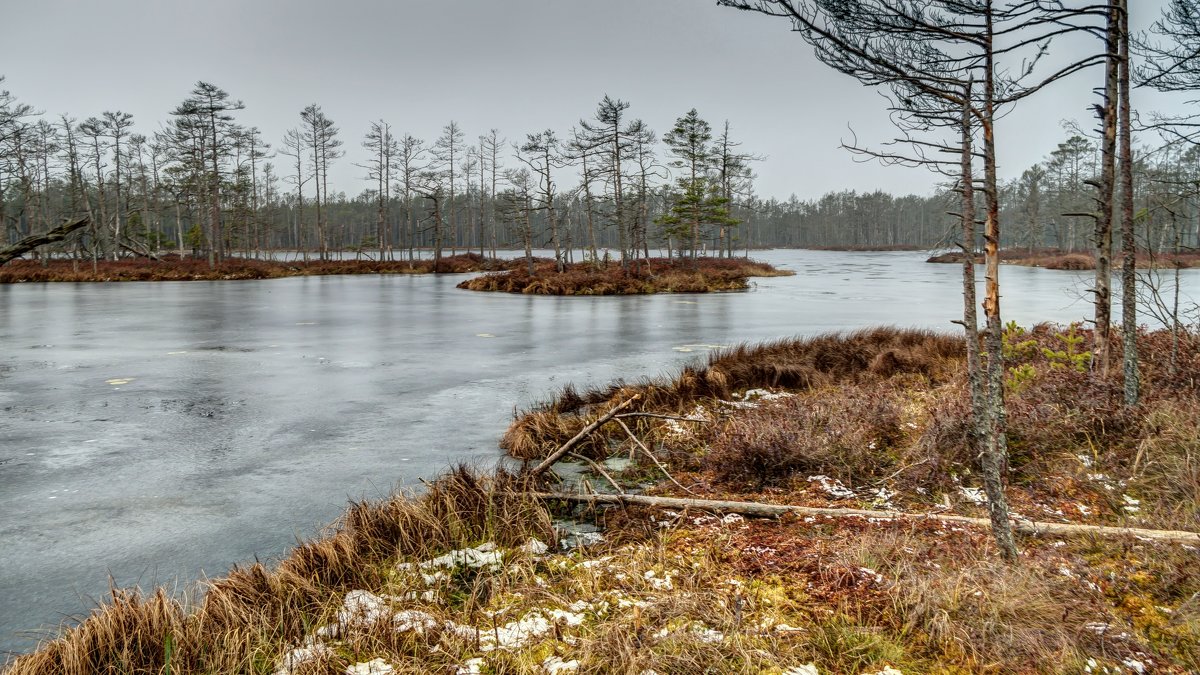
[(994, 455), (1101, 349), (1128, 242)]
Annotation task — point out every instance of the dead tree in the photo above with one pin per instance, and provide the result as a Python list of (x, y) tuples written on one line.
[(33, 241), (949, 52), (447, 149), (542, 153)]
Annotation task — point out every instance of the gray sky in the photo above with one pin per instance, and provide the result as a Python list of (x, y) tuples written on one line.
[(517, 65)]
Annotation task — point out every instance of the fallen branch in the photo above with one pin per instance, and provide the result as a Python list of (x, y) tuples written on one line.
[(35, 240), (776, 510), (649, 454), (600, 470), (584, 433), (659, 416)]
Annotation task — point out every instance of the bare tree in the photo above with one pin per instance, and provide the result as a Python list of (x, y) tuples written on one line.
[(116, 125), (92, 129), (583, 152), (609, 136), (293, 148), (1129, 325), (447, 148), (543, 155), (320, 135), (939, 58), (410, 155), (489, 152), (384, 148), (516, 205)]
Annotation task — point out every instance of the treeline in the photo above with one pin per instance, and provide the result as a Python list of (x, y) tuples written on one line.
[(1051, 205), (206, 184)]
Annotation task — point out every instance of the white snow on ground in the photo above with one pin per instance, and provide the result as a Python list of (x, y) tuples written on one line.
[(832, 487), (554, 665), (372, 667)]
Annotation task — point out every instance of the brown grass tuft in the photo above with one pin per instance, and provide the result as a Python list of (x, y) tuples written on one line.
[(248, 618)]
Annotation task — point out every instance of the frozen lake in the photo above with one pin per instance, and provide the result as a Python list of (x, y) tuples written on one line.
[(156, 432)]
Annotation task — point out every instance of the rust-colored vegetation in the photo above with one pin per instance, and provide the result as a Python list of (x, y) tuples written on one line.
[(891, 408), (174, 268), (807, 363), (654, 275)]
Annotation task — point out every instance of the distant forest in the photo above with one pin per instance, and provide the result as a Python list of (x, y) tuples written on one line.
[(205, 184)]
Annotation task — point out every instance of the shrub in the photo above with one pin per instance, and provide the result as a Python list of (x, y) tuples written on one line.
[(844, 433)]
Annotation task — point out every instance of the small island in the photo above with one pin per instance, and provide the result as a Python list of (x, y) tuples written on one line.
[(637, 277)]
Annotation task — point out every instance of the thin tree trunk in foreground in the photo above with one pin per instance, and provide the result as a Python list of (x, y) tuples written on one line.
[(1128, 243)]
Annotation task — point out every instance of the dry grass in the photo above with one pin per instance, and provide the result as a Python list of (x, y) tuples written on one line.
[(844, 436), (247, 618), (799, 364), (655, 275), (173, 268)]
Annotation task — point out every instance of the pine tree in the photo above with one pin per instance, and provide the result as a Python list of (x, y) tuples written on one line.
[(696, 202)]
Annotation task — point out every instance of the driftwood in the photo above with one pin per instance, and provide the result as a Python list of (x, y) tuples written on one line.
[(584, 433), (35, 240), (776, 510)]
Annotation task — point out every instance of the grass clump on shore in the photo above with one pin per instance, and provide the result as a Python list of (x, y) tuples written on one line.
[(653, 275), (174, 268), (795, 365)]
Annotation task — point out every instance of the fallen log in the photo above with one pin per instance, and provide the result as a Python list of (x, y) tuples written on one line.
[(35, 240), (761, 510), (584, 433)]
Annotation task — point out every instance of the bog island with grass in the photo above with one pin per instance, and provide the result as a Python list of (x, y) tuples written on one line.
[(876, 467)]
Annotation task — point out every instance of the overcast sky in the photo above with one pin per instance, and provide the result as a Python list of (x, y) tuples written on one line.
[(517, 65)]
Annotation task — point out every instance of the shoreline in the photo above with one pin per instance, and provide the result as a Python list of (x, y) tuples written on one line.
[(452, 580), (643, 276), (1053, 259)]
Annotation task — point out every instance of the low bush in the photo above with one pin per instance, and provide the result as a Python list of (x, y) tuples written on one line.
[(847, 433)]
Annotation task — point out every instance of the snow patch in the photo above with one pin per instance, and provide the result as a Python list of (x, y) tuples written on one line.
[(975, 495), (832, 487), (554, 665), (372, 667)]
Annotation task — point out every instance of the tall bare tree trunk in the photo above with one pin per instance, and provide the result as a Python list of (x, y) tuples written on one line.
[(1101, 356), (970, 315), (994, 457), (1128, 242)]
